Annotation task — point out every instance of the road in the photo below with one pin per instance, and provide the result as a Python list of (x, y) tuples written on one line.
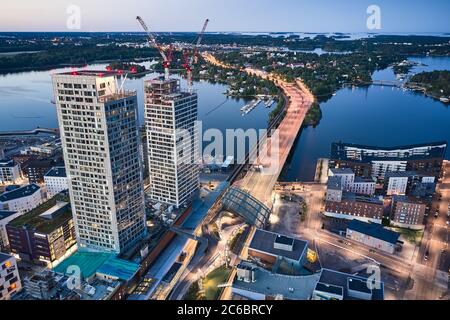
[(274, 153)]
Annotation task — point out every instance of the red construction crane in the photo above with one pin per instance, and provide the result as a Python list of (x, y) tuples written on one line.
[(167, 58), (190, 56)]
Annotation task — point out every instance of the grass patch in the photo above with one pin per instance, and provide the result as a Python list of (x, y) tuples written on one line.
[(212, 280), (412, 236)]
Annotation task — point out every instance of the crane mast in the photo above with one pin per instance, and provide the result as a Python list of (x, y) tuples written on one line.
[(167, 59)]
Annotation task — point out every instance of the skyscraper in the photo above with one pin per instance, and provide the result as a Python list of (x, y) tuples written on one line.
[(100, 137), (172, 137)]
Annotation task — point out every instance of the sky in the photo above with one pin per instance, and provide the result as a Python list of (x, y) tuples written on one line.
[(410, 16)]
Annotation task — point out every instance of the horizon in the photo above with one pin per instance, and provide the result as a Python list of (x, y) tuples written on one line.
[(349, 16)]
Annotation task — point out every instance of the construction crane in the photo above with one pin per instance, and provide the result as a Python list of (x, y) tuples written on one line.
[(167, 58), (191, 56)]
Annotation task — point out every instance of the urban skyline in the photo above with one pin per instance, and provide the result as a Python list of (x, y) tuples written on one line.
[(256, 168)]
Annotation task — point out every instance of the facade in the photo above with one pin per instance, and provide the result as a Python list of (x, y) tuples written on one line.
[(346, 175), (22, 199), (356, 207), (349, 182), (373, 235), (409, 183), (172, 138), (37, 169), (5, 218), (335, 190), (408, 212), (56, 181), (45, 234), (9, 172), (363, 186), (374, 162), (9, 277), (100, 138)]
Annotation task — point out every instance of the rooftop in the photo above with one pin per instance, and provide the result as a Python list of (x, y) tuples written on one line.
[(342, 171), (5, 214), (264, 241), (334, 183), (349, 196), (57, 172), (374, 230), (91, 263), (4, 257), (325, 287), (273, 284), (35, 219), (20, 193), (407, 199), (340, 279), (90, 73), (6, 163)]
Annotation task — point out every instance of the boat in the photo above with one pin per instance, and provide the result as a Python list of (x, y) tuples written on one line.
[(249, 107), (269, 103)]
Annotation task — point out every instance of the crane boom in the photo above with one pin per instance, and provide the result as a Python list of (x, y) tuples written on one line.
[(154, 43), (190, 57)]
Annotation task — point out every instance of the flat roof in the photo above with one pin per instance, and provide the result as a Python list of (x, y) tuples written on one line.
[(374, 230), (121, 269), (35, 220), (91, 73), (57, 172), (342, 171), (5, 214), (273, 284), (4, 257), (20, 193), (358, 285), (334, 183), (264, 241), (88, 262), (325, 287), (99, 262), (7, 163), (336, 278)]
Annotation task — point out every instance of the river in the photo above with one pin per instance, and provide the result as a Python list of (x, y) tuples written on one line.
[(375, 115), (379, 116)]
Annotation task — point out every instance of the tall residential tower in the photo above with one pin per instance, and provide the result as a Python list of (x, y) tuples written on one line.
[(172, 137), (100, 137)]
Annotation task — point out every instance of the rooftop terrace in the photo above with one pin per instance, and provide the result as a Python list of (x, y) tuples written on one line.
[(35, 220)]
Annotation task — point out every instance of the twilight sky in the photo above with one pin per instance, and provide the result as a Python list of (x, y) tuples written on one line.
[(227, 15)]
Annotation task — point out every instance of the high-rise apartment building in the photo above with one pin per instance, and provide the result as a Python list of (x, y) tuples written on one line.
[(100, 137), (172, 137)]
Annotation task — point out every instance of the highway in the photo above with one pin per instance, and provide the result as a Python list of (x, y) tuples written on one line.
[(275, 149)]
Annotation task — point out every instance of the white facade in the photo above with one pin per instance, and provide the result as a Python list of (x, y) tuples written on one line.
[(100, 139), (9, 277), (371, 241), (56, 181), (22, 200), (347, 177), (397, 185), (9, 172), (379, 168), (172, 138), (5, 218), (363, 187)]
